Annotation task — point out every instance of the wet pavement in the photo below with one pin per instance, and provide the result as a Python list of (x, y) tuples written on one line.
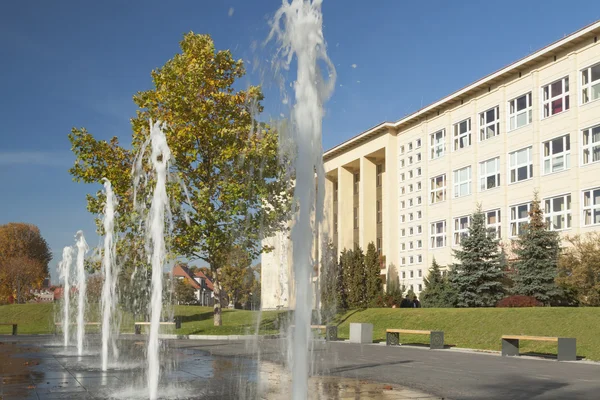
[(39, 367)]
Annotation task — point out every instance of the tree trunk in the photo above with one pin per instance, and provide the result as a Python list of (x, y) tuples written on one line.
[(217, 304)]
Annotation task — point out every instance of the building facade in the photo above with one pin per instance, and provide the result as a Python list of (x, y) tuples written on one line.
[(410, 186)]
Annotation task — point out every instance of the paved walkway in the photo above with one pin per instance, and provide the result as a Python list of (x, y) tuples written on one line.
[(449, 374)]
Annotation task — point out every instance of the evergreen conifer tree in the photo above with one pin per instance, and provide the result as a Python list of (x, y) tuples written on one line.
[(436, 293), (477, 276), (342, 281), (537, 250), (328, 283), (374, 286), (357, 292)]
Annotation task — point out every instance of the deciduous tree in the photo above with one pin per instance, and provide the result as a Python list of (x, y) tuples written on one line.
[(238, 186), (579, 268)]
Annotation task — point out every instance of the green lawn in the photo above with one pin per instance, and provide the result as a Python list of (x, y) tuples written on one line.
[(467, 328), (40, 318), (482, 328)]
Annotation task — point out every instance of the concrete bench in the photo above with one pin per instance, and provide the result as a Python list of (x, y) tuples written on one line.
[(138, 325), (59, 324), (14, 327), (329, 330), (567, 347), (436, 338)]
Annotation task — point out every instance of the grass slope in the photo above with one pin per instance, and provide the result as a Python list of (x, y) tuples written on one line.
[(482, 328), (39, 319)]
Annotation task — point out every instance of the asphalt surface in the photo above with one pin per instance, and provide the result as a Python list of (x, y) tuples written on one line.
[(450, 374)]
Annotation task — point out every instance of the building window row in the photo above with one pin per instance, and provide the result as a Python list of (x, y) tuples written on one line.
[(411, 260)]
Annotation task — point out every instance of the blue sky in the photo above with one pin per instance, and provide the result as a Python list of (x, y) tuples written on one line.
[(78, 63)]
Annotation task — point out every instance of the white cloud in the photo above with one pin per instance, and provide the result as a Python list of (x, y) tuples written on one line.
[(231, 11), (354, 66), (40, 158)]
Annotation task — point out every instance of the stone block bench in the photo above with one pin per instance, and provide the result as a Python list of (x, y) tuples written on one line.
[(436, 338), (567, 347), (14, 327)]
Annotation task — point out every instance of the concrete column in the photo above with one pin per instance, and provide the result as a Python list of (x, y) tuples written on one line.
[(345, 209), (367, 198), (390, 203)]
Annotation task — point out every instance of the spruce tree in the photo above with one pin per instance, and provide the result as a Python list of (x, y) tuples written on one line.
[(537, 250), (373, 279), (357, 293), (477, 275), (328, 283), (436, 292), (342, 282)]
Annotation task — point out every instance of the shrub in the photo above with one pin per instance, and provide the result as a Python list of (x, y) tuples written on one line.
[(519, 301)]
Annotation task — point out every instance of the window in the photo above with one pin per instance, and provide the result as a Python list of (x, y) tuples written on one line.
[(438, 189), (493, 223), (419, 171), (411, 216), (411, 188), (419, 244), (521, 165), (402, 204), (419, 258), (462, 182), (379, 245), (489, 174), (591, 207), (590, 84), (410, 174), (356, 182), (401, 149), (403, 274), (591, 144), (438, 145), (420, 273), (410, 160), (355, 217), (418, 143), (402, 163), (379, 172), (557, 154), (420, 287), (419, 200), (489, 123), (403, 260), (461, 229), (557, 211), (412, 274), (462, 134), (410, 146), (411, 245), (418, 186), (402, 177), (438, 234), (403, 190), (378, 205), (402, 218), (556, 97), (410, 202), (411, 260), (419, 229), (520, 111), (418, 157), (419, 214), (403, 232), (403, 246), (519, 216), (411, 231)]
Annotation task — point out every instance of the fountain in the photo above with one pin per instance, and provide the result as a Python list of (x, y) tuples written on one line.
[(155, 232), (109, 295), (64, 268), (302, 36), (82, 248)]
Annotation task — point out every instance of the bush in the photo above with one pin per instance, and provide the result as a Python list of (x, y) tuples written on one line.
[(519, 301)]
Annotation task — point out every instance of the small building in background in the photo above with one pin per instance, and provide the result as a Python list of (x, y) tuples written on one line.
[(202, 285)]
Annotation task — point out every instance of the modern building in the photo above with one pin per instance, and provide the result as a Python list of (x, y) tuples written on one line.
[(410, 186)]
